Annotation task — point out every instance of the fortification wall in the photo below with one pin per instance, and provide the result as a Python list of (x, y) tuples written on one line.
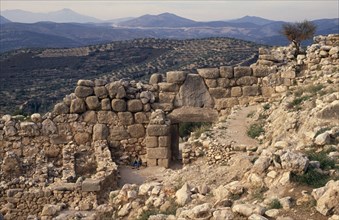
[(103, 123)]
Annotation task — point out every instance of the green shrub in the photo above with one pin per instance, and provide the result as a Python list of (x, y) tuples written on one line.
[(322, 130), (298, 101), (267, 106), (311, 178), (197, 131), (275, 204), (255, 130), (146, 214), (314, 89), (250, 115), (324, 160)]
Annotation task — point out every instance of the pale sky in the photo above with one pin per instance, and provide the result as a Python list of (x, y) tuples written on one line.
[(285, 10)]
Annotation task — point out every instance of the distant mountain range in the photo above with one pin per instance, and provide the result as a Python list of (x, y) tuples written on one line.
[(16, 35)]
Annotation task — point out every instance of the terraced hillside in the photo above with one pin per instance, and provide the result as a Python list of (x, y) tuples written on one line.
[(34, 79)]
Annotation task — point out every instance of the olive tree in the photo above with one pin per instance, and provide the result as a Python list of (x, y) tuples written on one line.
[(299, 31)]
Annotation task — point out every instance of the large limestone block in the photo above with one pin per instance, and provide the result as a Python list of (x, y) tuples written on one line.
[(224, 82), (327, 198), (247, 81), (241, 71), (330, 111), (136, 130), (261, 71), (116, 90), (83, 91), (192, 114), (166, 97), (168, 87), (176, 76), (183, 195), (118, 105), (155, 79), (248, 209), (166, 107), (82, 138), (151, 142), (125, 118), (226, 72), (77, 106), (100, 132), (267, 91), (92, 102), (118, 133), (219, 93), (134, 105), (141, 118), (158, 130), (107, 117), (236, 91), (48, 127), (83, 82), (250, 90), (90, 185), (100, 92), (158, 153), (209, 73), (164, 141), (61, 108), (288, 74), (294, 161), (106, 104), (194, 93), (226, 103), (211, 83)]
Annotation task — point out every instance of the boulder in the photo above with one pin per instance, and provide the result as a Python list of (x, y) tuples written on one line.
[(330, 111), (323, 139), (192, 114), (241, 71), (83, 91), (116, 90), (118, 105), (262, 71), (134, 105), (155, 79), (101, 92), (327, 198), (61, 108), (78, 106), (176, 76), (48, 127), (100, 132), (87, 83), (248, 209), (183, 195), (256, 217), (92, 103), (247, 81), (50, 210), (294, 161), (136, 130), (209, 73), (226, 72), (193, 93), (223, 214)]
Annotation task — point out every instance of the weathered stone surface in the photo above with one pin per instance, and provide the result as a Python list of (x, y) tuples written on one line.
[(261, 164), (155, 79), (224, 214), (134, 105), (136, 130), (158, 153), (140, 117), (191, 114), (183, 195), (82, 137), (90, 117), (118, 105), (209, 73), (77, 106), (157, 130), (118, 133), (250, 90), (100, 132), (92, 103), (90, 185), (248, 209), (168, 87), (176, 76), (221, 193), (224, 82), (218, 93), (330, 111), (323, 139), (116, 90), (83, 91), (164, 162), (211, 83), (226, 103), (48, 127), (256, 217), (166, 107), (294, 161), (83, 82), (226, 72), (267, 91), (236, 91), (241, 71), (261, 71), (288, 74), (151, 141), (164, 141), (101, 92), (247, 81), (125, 118), (61, 108), (147, 97), (166, 97), (106, 104), (50, 210), (194, 93), (327, 198)]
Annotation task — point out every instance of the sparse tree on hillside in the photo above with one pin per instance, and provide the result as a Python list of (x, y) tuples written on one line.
[(299, 31)]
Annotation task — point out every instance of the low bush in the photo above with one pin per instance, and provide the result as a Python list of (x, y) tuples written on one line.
[(311, 178), (186, 128), (275, 204), (325, 161), (255, 130)]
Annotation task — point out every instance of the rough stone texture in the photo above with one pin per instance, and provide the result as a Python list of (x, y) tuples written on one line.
[(100, 132), (248, 209), (101, 92), (236, 91), (223, 82), (294, 161), (92, 103), (155, 79), (194, 93), (218, 93), (118, 105), (151, 142), (125, 118), (83, 91), (78, 106), (106, 104), (90, 185), (330, 111), (158, 153), (134, 105), (247, 81), (226, 72), (327, 198), (241, 71), (183, 195), (168, 87), (136, 130), (87, 83), (261, 71), (209, 73), (191, 114), (118, 133), (61, 108), (250, 90), (176, 76), (157, 130)]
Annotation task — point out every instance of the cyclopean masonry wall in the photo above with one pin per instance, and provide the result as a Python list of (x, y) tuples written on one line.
[(70, 153)]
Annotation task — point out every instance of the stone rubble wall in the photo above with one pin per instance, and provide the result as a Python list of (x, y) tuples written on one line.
[(106, 122)]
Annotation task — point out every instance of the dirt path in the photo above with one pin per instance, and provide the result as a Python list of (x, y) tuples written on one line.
[(234, 129)]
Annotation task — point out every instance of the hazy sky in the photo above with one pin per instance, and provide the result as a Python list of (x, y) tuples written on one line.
[(198, 10)]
